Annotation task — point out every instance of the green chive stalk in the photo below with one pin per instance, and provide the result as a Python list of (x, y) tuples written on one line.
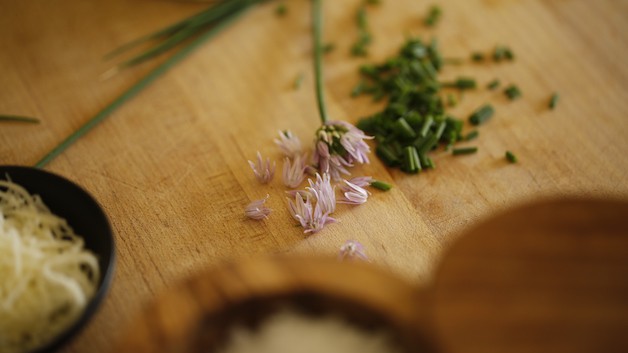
[(140, 85), (317, 24)]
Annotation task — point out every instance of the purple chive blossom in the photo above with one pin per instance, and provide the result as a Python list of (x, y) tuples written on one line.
[(263, 170), (353, 194), (294, 171), (289, 144), (311, 218), (352, 250), (256, 209), (362, 181), (339, 145), (324, 194)]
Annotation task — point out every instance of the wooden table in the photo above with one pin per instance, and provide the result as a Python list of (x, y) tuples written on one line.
[(170, 167)]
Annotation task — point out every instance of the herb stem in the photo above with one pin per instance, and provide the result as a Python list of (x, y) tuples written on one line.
[(139, 86), (317, 24)]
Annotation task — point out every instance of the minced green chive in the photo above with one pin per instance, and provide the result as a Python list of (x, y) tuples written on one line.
[(553, 100), (281, 9), (411, 162), (493, 84), (433, 16), (427, 124), (21, 119), (481, 115), (387, 155), (464, 150), (512, 92), (472, 135), (477, 57), (511, 157), (503, 53), (451, 100), (404, 129), (461, 83), (378, 184)]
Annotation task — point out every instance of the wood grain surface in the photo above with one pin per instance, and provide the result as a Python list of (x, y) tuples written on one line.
[(170, 166), (548, 277)]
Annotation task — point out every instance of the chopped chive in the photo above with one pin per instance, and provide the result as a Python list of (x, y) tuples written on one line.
[(387, 155), (21, 119), (553, 100), (512, 92), (378, 184), (427, 124), (472, 135), (451, 100), (372, 2), (404, 129), (359, 48), (298, 81), (493, 84), (453, 61), (477, 56), (141, 84), (440, 129), (503, 53), (481, 114), (358, 89), (281, 9), (464, 150), (433, 16), (461, 83), (511, 157), (411, 163)]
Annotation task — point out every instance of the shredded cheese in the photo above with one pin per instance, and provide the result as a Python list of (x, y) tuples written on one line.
[(46, 275)]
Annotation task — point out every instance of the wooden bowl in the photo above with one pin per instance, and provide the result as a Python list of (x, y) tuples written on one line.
[(197, 315)]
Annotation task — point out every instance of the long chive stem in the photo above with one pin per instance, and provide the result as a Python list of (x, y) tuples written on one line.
[(167, 31), (317, 24), (21, 119), (139, 86)]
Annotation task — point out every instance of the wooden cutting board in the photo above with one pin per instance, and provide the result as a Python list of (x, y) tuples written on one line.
[(170, 166)]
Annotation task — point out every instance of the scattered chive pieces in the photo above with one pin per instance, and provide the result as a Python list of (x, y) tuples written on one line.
[(511, 157), (453, 61), (477, 56), (364, 36), (464, 150), (433, 16), (381, 185), (481, 114), (411, 163), (451, 100), (493, 84), (503, 53), (21, 119), (472, 135), (462, 83), (553, 100), (281, 9), (512, 92), (298, 81)]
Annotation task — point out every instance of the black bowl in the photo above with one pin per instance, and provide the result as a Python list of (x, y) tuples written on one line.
[(86, 217)]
